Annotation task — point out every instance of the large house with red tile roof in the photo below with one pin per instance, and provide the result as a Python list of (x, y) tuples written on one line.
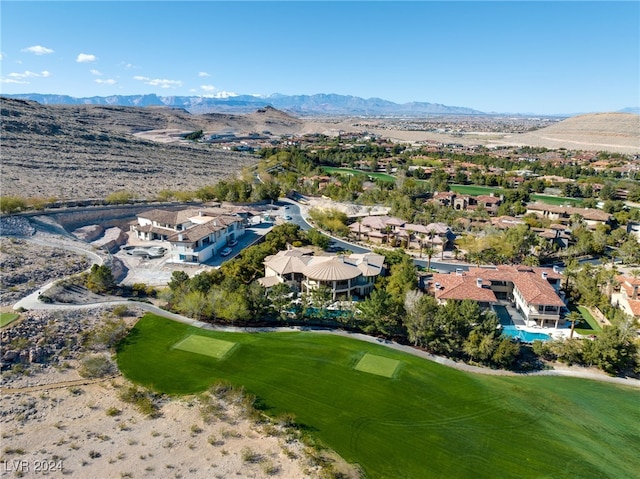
[(534, 292)]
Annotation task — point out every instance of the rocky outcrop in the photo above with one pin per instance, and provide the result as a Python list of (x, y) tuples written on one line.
[(89, 233), (112, 239)]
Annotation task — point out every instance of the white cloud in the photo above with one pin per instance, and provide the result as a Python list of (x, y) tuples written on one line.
[(208, 88), (106, 81), (203, 74), (97, 73), (128, 66), (161, 82), (1, 56), (86, 58), (23, 78), (38, 50)]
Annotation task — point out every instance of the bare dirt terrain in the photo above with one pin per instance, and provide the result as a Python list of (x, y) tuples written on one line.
[(91, 151), (71, 153)]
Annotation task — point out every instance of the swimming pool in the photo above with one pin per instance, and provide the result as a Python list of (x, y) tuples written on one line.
[(524, 336), (509, 329)]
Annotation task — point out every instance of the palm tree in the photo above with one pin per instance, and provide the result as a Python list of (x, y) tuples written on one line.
[(421, 241), (570, 271), (573, 317), (429, 251)]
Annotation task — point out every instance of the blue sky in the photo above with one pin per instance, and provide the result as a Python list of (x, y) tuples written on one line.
[(544, 57)]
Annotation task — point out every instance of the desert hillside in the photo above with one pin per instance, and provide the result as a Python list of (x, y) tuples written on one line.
[(617, 132), (91, 151), (82, 151)]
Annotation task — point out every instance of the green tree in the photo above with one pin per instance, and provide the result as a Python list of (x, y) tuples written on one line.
[(100, 279), (420, 310)]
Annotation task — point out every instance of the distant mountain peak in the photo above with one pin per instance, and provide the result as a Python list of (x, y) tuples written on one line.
[(317, 104)]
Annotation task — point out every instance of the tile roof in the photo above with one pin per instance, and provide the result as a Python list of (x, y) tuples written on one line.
[(454, 286), (535, 289), (193, 234), (586, 213)]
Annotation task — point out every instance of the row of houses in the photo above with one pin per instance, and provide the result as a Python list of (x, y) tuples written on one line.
[(389, 229)]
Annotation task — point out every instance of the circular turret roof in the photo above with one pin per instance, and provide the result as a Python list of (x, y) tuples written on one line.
[(333, 270)]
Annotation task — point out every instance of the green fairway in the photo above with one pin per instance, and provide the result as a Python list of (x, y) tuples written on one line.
[(556, 200), (214, 348), (6, 318), (371, 363), (474, 190), (429, 421)]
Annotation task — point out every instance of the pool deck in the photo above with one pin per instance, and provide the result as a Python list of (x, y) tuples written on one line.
[(520, 323)]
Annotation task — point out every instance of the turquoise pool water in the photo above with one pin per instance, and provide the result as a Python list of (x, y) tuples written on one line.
[(509, 329), (524, 336)]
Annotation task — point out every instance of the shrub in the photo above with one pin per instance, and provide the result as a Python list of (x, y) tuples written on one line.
[(12, 204), (121, 310), (142, 400), (113, 411), (120, 197)]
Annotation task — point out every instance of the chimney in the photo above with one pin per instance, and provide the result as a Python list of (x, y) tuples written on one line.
[(215, 222), (556, 269), (479, 282), (180, 237), (544, 275), (200, 213), (437, 285), (458, 271)]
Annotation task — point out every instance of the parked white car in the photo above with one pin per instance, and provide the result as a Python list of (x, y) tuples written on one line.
[(226, 252)]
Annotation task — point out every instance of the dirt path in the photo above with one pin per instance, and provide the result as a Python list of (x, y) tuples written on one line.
[(60, 385)]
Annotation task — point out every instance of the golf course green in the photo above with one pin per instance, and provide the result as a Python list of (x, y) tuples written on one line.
[(398, 415)]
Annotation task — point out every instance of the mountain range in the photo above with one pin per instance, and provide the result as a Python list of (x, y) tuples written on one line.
[(303, 105)]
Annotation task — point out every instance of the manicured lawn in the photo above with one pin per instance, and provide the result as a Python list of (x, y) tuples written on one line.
[(349, 171), (196, 343), (475, 190), (6, 318), (556, 200), (374, 364), (425, 421), (594, 327)]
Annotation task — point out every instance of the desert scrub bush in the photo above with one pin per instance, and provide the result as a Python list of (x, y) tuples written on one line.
[(140, 399), (249, 455), (210, 409), (120, 311), (12, 204), (119, 197), (110, 333), (97, 366), (113, 411)]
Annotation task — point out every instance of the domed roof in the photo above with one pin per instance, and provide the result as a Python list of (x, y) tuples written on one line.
[(332, 270)]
